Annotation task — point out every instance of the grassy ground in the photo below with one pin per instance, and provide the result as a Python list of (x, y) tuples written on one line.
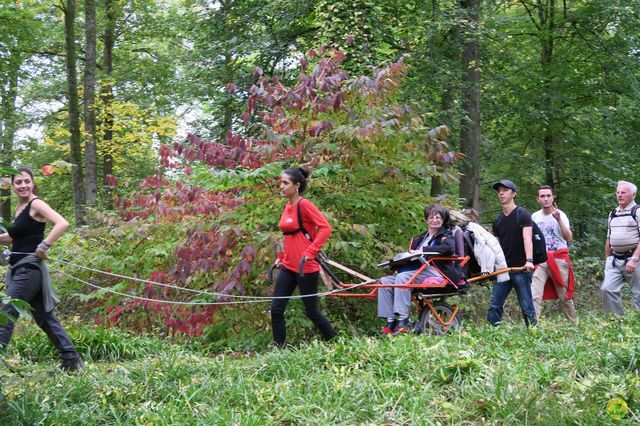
[(554, 374)]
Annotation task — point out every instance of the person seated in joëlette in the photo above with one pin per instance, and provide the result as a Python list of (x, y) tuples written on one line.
[(394, 303)]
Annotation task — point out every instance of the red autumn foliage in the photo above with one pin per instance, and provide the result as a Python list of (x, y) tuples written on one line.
[(291, 117)]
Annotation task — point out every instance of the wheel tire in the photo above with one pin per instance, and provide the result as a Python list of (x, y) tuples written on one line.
[(428, 323)]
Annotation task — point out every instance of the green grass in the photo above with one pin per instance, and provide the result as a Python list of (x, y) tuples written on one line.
[(552, 375)]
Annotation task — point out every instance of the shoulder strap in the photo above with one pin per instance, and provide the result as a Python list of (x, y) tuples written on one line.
[(469, 237), (519, 213), (301, 227), (28, 206), (633, 213)]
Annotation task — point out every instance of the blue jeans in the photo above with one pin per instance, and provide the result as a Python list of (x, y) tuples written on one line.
[(522, 283)]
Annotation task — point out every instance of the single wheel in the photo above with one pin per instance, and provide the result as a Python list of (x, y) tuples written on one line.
[(427, 322)]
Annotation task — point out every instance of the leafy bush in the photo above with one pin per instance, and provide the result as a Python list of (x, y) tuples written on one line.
[(206, 220)]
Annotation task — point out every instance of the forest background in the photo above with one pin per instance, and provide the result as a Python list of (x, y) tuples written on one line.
[(165, 126), (160, 128)]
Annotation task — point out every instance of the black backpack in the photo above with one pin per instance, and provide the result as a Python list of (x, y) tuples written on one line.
[(633, 213), (472, 267), (537, 239)]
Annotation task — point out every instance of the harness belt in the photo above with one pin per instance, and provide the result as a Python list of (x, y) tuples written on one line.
[(622, 256)]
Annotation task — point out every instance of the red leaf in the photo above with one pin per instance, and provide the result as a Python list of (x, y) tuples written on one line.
[(339, 56), (337, 101), (48, 170), (249, 252)]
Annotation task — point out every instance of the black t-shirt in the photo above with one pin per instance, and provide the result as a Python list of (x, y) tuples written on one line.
[(508, 229)]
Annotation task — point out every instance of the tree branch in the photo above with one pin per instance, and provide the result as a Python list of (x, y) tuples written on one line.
[(530, 14)]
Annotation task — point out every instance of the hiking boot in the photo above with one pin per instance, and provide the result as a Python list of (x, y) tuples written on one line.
[(72, 365)]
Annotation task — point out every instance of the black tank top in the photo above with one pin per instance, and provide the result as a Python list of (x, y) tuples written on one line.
[(26, 233)]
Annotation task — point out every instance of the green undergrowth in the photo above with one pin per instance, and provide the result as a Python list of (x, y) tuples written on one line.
[(93, 343), (552, 375)]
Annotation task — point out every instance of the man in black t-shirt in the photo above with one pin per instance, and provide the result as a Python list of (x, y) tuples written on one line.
[(513, 230)]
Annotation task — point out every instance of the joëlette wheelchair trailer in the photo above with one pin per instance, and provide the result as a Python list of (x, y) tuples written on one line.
[(435, 314)]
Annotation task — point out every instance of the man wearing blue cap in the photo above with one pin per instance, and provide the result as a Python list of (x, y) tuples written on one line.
[(513, 229)]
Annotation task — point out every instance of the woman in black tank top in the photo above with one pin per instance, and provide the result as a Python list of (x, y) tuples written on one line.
[(28, 276)]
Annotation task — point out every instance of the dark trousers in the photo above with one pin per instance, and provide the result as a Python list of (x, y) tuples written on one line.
[(26, 285), (285, 285)]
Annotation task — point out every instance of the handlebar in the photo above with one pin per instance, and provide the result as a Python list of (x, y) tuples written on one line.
[(270, 273), (301, 267)]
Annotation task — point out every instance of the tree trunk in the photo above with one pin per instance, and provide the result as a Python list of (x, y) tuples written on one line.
[(446, 104), (470, 130), (91, 182), (546, 12), (106, 94), (227, 118), (447, 101), (74, 112), (9, 126)]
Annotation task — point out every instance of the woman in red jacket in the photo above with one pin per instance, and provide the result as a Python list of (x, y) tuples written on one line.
[(300, 240)]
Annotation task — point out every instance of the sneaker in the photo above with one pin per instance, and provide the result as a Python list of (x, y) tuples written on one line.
[(403, 327), (72, 365), (390, 327)]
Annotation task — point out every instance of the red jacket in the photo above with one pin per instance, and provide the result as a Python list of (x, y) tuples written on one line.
[(297, 245), (556, 278)]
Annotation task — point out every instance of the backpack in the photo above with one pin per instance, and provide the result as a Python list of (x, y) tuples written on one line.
[(633, 213), (472, 267), (538, 243)]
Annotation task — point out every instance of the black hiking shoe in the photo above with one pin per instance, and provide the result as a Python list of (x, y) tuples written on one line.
[(72, 365)]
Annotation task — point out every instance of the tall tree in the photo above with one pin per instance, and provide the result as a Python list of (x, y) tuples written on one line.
[(547, 28), (18, 30), (106, 94), (75, 143), (91, 177), (9, 121), (444, 54), (470, 129)]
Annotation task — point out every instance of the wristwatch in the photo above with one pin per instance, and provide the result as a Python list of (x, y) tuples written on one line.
[(634, 259), (529, 259)]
